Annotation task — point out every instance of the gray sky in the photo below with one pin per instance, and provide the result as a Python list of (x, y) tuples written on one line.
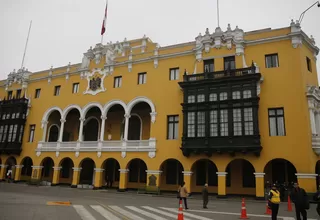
[(63, 30)]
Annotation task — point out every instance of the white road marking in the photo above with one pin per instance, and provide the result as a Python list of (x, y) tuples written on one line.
[(186, 214), (106, 214), (162, 212), (126, 213), (84, 214), (232, 213), (148, 214)]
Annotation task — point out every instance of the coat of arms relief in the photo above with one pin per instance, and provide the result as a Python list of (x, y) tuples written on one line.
[(95, 82)]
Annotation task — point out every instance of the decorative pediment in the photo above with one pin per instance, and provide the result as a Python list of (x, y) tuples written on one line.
[(313, 93), (19, 77), (95, 82)]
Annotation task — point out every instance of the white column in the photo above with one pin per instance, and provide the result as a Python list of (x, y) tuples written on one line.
[(61, 129), (317, 120), (44, 134), (103, 121), (126, 127), (312, 121), (81, 128)]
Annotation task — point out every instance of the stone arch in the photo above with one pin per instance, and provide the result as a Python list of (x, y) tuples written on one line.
[(112, 103), (26, 170), (87, 171), (69, 108), (49, 130), (240, 170), (49, 111), (137, 100), (66, 172), (141, 126), (47, 170), (171, 175), (137, 172), (111, 175), (204, 171), (86, 122), (11, 161), (280, 170), (89, 106)]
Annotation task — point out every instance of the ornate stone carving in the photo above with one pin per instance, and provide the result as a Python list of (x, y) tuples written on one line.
[(19, 77), (152, 180), (95, 82)]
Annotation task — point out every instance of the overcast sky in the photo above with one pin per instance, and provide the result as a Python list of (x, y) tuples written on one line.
[(62, 30)]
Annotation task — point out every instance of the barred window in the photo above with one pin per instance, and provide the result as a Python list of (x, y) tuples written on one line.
[(191, 99), (223, 96), (214, 123), (237, 125), (224, 122), (201, 124), (246, 94), (248, 121), (236, 95), (213, 97), (201, 98), (191, 124)]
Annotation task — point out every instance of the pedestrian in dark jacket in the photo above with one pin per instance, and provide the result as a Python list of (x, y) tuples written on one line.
[(300, 200), (205, 196)]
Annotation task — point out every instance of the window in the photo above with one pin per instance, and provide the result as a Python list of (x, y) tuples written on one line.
[(276, 122), (117, 82), (208, 66), (246, 94), (201, 98), (191, 99), (75, 87), (37, 94), (191, 124), (213, 97), (223, 96), (5, 130), (213, 123), (9, 94), (20, 134), (142, 78), (10, 133), (201, 124), (236, 95), (224, 122), (57, 90), (174, 74), (272, 61), (248, 121), (229, 63), (14, 135), (173, 122), (237, 125), (31, 132), (1, 132), (18, 94), (309, 64)]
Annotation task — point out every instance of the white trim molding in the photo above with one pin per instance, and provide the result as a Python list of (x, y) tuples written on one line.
[(221, 173), (77, 169), (187, 173), (98, 170), (306, 175), (3, 166), (154, 172), (56, 168), (123, 170), (259, 175), (19, 166), (37, 167)]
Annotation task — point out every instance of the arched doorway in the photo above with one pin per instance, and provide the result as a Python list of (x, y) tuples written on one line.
[(114, 127), (11, 163), (72, 124), (47, 170), (137, 173), (53, 133), (26, 170), (171, 176), (87, 171), (66, 172), (111, 173), (240, 178), (135, 127), (280, 171), (91, 129), (204, 171)]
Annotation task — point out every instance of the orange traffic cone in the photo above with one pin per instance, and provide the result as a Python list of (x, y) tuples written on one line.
[(243, 210), (180, 211), (289, 205), (268, 210)]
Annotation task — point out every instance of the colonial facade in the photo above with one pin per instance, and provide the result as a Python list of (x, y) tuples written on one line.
[(233, 109)]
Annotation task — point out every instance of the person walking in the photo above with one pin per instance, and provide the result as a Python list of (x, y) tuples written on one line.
[(300, 199), (274, 201), (205, 196), (183, 194)]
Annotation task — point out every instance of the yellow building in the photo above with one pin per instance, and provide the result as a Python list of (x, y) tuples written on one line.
[(233, 109)]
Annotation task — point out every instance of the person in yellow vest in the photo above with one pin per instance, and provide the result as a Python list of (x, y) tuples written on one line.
[(274, 201)]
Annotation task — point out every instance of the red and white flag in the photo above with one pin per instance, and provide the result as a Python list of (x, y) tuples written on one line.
[(103, 29)]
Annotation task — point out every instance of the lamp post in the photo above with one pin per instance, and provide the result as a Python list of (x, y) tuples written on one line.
[(302, 14)]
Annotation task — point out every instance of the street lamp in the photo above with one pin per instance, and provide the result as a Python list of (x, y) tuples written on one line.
[(302, 14)]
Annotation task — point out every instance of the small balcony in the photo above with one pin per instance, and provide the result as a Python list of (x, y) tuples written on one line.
[(99, 147), (316, 144)]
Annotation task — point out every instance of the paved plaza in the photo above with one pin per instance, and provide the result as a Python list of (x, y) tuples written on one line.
[(20, 201)]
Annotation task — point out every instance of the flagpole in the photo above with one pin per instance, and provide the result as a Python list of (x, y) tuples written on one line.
[(104, 20), (218, 13), (25, 48)]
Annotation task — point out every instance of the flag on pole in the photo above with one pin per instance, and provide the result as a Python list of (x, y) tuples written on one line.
[(103, 29)]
